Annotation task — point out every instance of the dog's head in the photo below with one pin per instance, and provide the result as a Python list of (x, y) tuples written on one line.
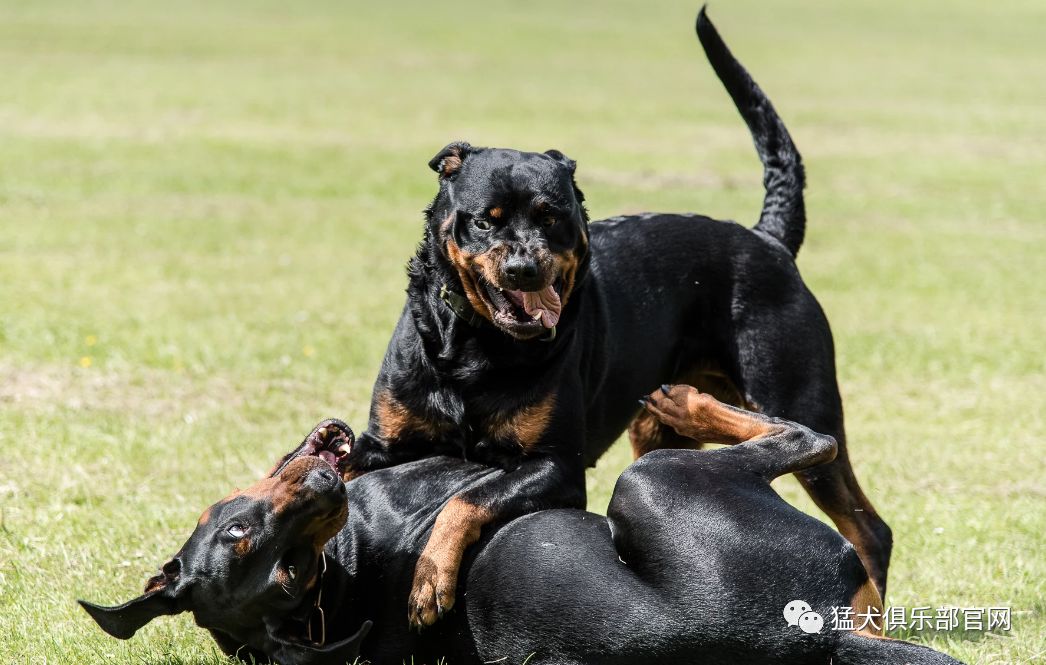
[(251, 570), (514, 228)]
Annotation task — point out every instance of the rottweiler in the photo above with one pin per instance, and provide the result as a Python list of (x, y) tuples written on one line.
[(697, 560), (528, 332)]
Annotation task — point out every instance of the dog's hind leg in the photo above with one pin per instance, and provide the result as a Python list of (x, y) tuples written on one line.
[(784, 363), (776, 446), (647, 433)]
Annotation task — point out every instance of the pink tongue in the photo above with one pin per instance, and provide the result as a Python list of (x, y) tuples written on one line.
[(328, 457), (545, 302)]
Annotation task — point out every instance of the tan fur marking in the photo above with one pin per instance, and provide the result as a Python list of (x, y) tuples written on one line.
[(205, 518), (496, 213), (851, 528), (701, 417), (647, 434), (288, 488), (451, 164), (395, 420), (282, 577), (872, 636), (567, 265), (242, 546), (463, 264), (457, 526), (714, 422), (867, 596), (279, 494), (527, 425), (156, 582), (436, 575), (489, 263)]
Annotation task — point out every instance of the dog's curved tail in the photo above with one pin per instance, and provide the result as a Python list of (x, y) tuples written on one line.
[(784, 213), (857, 649)]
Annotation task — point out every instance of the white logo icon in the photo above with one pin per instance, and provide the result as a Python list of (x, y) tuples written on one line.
[(811, 622), (799, 613), (794, 610)]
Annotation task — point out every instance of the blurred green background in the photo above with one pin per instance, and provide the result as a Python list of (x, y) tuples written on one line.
[(205, 211)]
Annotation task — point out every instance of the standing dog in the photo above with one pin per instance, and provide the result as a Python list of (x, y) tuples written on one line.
[(528, 333)]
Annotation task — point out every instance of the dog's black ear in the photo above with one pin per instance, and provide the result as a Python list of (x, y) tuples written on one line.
[(123, 621), (447, 162), (159, 599), (335, 653), (572, 167), (563, 159)]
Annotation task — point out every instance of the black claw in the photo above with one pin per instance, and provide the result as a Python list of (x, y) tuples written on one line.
[(644, 400), (665, 388)]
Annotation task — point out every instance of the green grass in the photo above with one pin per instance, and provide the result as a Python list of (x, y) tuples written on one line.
[(211, 208)]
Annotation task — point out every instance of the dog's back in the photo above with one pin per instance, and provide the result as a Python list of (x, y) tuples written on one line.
[(667, 285)]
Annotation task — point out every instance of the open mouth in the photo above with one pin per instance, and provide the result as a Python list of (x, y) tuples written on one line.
[(331, 441), (524, 313)]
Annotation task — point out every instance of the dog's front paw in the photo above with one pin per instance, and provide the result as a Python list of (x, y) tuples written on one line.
[(432, 594)]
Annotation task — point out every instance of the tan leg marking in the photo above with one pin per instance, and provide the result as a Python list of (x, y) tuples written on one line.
[(867, 597), (646, 433), (436, 573), (701, 417)]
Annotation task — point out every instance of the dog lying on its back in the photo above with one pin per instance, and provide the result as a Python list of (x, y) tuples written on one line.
[(697, 561), (528, 333)]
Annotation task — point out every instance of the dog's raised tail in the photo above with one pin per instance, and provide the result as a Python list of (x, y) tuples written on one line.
[(784, 213)]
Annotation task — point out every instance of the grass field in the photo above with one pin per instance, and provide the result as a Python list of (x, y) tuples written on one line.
[(205, 213)]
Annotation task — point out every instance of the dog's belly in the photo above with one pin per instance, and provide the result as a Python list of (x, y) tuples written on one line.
[(659, 282), (551, 584), (696, 561)]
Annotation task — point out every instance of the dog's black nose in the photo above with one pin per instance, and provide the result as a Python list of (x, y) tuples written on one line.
[(519, 270), (323, 479)]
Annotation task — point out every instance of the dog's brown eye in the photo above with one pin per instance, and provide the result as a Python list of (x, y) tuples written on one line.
[(237, 531), (548, 221), (481, 224)]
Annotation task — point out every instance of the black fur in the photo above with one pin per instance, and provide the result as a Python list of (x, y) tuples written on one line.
[(656, 298), (784, 212), (694, 562)]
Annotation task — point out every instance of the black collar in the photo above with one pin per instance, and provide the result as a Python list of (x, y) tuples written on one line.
[(462, 308)]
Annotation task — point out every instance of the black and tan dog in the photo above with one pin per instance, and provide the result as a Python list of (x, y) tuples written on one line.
[(698, 560), (528, 332)]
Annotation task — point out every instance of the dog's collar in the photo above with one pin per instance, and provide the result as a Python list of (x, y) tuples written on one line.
[(317, 616), (462, 308)]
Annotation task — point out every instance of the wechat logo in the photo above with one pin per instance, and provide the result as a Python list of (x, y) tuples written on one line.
[(799, 613)]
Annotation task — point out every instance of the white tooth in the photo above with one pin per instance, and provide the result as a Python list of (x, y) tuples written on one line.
[(537, 317), (345, 448), (321, 432)]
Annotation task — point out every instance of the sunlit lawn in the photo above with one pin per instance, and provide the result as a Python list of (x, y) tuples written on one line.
[(205, 214)]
